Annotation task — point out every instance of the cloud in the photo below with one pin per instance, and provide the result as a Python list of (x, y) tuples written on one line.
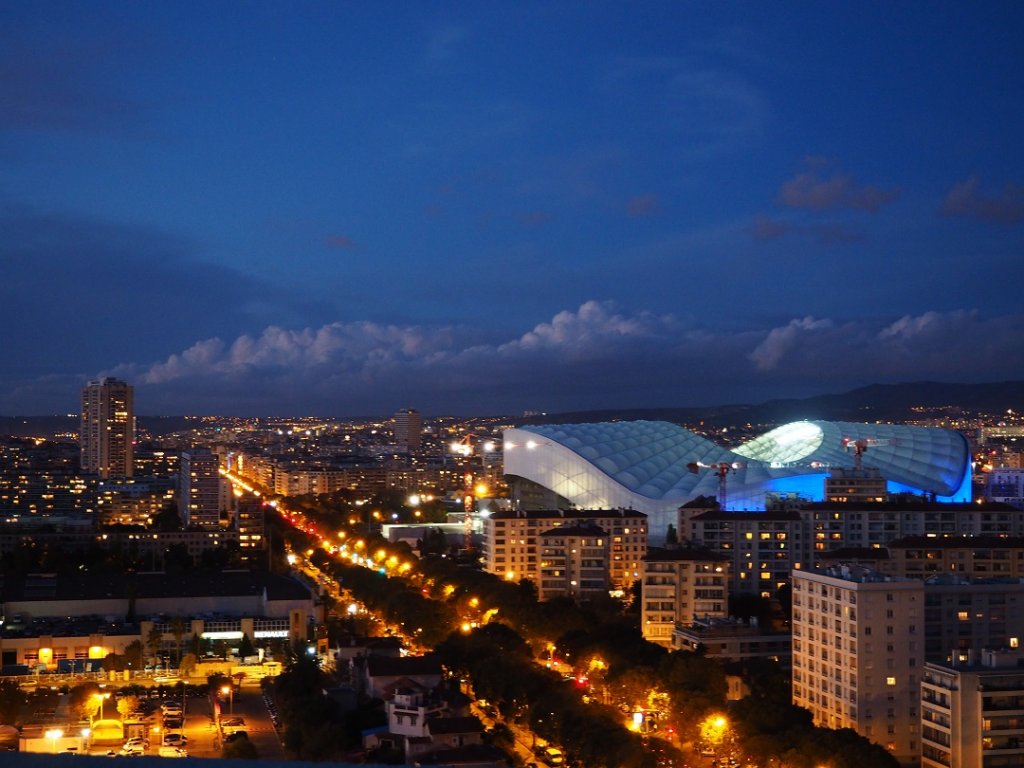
[(594, 356), (643, 205), (813, 191), (966, 199), (780, 341)]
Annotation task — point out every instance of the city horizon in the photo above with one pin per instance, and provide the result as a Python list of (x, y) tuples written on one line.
[(534, 413)]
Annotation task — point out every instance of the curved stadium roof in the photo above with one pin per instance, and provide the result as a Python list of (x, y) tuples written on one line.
[(643, 465)]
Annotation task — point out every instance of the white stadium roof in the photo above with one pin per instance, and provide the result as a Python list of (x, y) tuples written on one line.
[(647, 465)]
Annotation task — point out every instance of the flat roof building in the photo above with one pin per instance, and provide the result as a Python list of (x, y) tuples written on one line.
[(858, 653), (680, 584)]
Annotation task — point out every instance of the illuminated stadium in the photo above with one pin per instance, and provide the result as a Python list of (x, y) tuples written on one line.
[(655, 467)]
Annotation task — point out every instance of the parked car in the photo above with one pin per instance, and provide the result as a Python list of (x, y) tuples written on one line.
[(175, 740)]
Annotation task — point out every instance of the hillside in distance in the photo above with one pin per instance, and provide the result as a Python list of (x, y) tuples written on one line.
[(876, 402)]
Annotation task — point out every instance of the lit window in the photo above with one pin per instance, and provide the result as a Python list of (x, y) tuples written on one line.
[(890, 681)]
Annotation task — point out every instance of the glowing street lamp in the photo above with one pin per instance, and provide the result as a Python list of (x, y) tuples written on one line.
[(229, 690), (101, 697), (53, 735)]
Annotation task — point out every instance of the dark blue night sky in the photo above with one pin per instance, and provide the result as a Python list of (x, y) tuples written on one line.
[(349, 208)]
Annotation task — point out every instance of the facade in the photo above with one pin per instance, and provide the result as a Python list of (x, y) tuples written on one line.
[(250, 524), (132, 501), (512, 542), (52, 619), (199, 501), (864, 484), (763, 547), (655, 467), (1006, 484), (574, 562), (836, 525), (681, 584), (971, 712), (728, 639), (107, 430), (858, 654), (408, 429), (920, 557), (963, 614)]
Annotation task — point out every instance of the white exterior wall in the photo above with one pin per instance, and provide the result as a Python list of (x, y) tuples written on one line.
[(858, 656)]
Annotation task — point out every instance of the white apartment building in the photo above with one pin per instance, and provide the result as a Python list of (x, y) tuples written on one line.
[(679, 585), (972, 711), (858, 653), (512, 541)]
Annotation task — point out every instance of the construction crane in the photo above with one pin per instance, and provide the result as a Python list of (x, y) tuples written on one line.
[(722, 470), (860, 445)]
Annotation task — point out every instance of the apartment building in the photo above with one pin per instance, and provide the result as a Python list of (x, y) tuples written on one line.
[(858, 653), (512, 542), (763, 547), (679, 585), (971, 711), (574, 562)]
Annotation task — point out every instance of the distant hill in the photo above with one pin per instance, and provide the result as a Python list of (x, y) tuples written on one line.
[(877, 402), (48, 426)]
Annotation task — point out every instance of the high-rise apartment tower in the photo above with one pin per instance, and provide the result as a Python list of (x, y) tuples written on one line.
[(107, 428), (408, 429), (199, 499)]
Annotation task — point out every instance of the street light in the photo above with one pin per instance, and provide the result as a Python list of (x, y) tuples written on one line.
[(102, 697), (229, 690), (53, 735)]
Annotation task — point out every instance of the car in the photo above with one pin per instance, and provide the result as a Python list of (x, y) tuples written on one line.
[(553, 756), (175, 740), (130, 749), (236, 736), (172, 752)]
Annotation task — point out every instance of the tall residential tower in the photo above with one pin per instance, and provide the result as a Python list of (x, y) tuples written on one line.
[(107, 428)]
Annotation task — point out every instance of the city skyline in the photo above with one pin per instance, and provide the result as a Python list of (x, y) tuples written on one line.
[(331, 209)]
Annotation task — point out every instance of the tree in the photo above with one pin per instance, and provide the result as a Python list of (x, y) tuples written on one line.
[(187, 665), (154, 643), (126, 705), (179, 627), (671, 536), (133, 655), (245, 646), (239, 749), (84, 700), (12, 701)]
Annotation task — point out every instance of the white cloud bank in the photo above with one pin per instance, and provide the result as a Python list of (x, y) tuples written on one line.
[(592, 357)]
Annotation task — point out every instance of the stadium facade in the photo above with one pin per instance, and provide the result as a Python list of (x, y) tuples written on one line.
[(655, 467)]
